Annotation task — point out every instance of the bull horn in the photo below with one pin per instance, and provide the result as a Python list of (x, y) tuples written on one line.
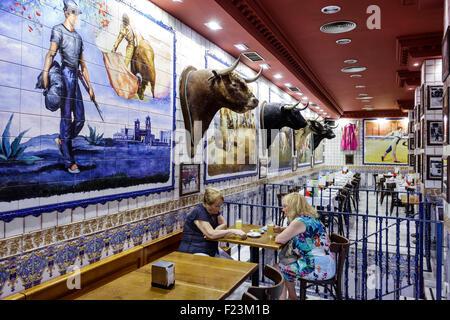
[(290, 107), (307, 105), (334, 126), (255, 77), (230, 68)]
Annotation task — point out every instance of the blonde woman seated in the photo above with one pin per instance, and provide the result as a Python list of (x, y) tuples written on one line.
[(311, 244), (205, 223)]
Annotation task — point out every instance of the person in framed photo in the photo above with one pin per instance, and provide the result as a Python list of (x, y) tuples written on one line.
[(436, 133), (435, 97), (396, 135)]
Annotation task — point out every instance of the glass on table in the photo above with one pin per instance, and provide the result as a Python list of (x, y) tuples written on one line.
[(270, 231)]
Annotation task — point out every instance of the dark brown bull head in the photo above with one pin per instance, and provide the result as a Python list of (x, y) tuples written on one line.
[(204, 92)]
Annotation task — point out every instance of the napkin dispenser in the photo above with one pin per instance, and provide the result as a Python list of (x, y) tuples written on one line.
[(163, 274)]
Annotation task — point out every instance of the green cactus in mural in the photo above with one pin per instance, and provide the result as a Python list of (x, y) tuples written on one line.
[(13, 151)]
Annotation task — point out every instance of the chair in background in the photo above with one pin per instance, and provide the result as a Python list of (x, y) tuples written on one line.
[(272, 292), (279, 219), (339, 245)]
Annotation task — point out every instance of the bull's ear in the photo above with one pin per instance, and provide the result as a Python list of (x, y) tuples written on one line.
[(215, 76)]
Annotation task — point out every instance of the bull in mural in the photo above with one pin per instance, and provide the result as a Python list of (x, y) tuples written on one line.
[(329, 134), (279, 115), (204, 92)]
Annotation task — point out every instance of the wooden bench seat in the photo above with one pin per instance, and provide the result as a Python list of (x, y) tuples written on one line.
[(103, 271)]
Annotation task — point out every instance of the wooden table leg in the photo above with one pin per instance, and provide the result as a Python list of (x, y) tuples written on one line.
[(254, 257)]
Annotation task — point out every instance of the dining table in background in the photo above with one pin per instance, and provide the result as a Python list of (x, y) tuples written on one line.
[(196, 278)]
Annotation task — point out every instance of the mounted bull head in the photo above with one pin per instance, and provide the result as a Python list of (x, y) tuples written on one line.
[(313, 126), (279, 115), (329, 134), (204, 92)]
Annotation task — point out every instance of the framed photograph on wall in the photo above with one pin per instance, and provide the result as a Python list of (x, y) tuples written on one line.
[(422, 101), (445, 55), (434, 167), (418, 166), (445, 178), (411, 127), (411, 143), (189, 179), (445, 114), (412, 160), (435, 133), (435, 97)]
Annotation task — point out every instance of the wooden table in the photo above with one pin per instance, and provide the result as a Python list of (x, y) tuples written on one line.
[(413, 199), (196, 278), (254, 244)]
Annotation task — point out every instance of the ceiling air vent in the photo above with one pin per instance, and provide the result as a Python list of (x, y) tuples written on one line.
[(338, 27), (253, 56), (295, 89)]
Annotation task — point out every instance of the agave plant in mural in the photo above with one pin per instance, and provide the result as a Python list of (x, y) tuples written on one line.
[(14, 151), (94, 138)]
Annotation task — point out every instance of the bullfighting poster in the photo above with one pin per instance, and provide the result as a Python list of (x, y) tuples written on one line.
[(231, 139), (386, 141), (112, 82)]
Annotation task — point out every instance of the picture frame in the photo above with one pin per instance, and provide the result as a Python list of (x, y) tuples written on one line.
[(419, 135), (435, 133), (411, 127), (445, 191), (435, 97), (445, 55), (418, 164), (189, 178), (294, 163), (445, 114), (412, 160), (411, 143), (434, 167), (263, 168), (422, 101)]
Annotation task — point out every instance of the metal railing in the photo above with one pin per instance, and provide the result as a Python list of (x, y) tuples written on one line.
[(384, 260)]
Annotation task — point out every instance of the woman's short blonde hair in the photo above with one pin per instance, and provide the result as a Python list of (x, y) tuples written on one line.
[(211, 195), (298, 206)]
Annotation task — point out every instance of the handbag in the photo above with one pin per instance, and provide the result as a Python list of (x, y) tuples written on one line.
[(287, 255)]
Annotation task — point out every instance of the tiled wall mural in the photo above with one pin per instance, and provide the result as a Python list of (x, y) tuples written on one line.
[(123, 141)]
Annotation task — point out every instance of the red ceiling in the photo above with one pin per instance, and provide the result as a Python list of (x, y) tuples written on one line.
[(286, 34)]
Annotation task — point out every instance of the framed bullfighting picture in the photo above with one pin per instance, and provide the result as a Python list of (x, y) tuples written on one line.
[(435, 97), (189, 179), (104, 128), (232, 137)]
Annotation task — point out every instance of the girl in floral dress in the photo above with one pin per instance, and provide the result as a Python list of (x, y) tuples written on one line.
[(311, 244)]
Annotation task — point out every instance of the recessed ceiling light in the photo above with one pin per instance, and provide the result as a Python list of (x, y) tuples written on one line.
[(300, 93), (350, 61), (278, 76), (213, 25), (330, 9), (177, 0), (355, 76), (364, 98), (265, 66), (363, 94), (241, 46), (343, 41), (288, 84), (305, 98), (416, 64), (353, 69), (338, 27), (360, 87)]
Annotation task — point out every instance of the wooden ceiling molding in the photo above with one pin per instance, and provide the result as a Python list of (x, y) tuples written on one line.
[(420, 46), (374, 114), (259, 23), (406, 78)]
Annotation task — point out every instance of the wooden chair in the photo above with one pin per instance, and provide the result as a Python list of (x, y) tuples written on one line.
[(339, 245), (279, 219), (269, 292), (387, 190)]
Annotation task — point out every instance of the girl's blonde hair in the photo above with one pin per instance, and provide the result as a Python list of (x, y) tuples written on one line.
[(211, 195), (298, 206)]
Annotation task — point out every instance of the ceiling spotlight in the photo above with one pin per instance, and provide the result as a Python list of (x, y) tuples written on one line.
[(299, 93), (363, 94), (350, 61), (330, 9), (278, 76), (343, 41), (288, 84), (177, 0), (213, 25), (355, 76), (265, 66), (241, 46), (338, 27), (364, 98), (353, 69), (360, 87), (305, 98), (416, 64), (317, 107)]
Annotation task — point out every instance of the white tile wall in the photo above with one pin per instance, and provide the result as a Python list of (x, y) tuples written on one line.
[(32, 223), (49, 219), (14, 227)]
